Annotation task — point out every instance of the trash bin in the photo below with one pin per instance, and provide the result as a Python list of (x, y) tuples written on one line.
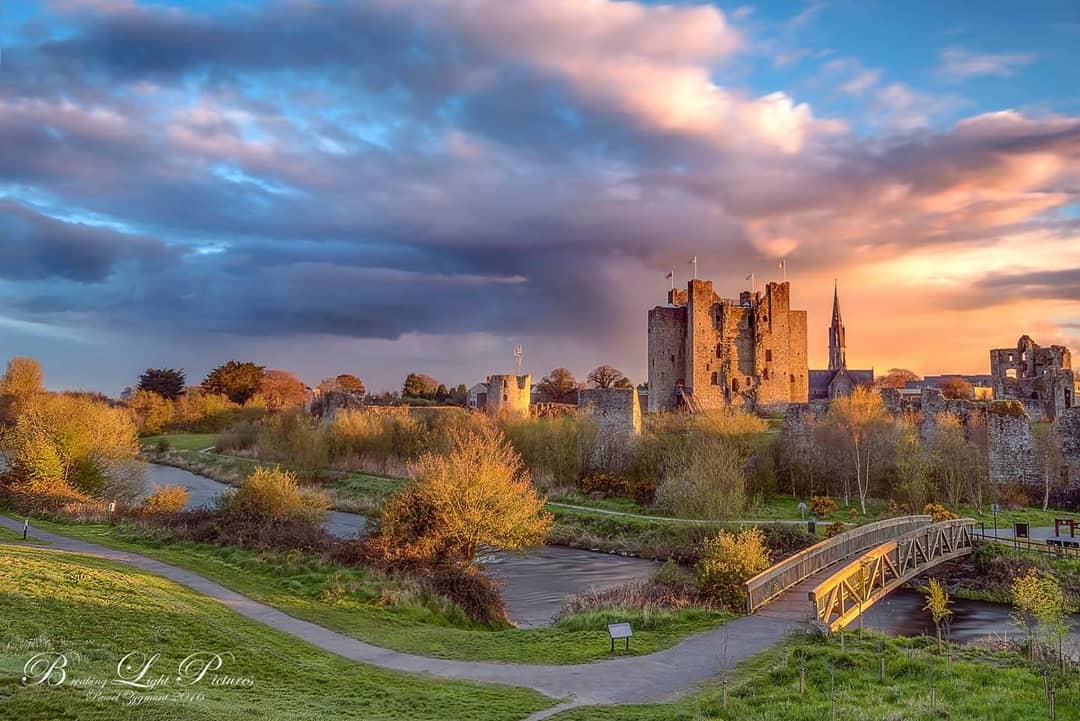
[(811, 526)]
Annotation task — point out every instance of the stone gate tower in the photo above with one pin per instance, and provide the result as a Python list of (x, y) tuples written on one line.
[(709, 352)]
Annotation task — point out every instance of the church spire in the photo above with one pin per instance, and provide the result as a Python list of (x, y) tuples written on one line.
[(837, 344)]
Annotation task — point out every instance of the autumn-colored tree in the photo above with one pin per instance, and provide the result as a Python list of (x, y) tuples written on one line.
[(419, 385), (862, 421), (478, 495), (280, 389), (151, 411), (237, 381), (937, 604), (166, 382), (71, 442), (21, 381), (956, 387), (896, 378), (728, 561), (558, 386), (606, 376)]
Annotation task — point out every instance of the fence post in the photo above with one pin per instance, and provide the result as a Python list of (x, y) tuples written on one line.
[(26, 529)]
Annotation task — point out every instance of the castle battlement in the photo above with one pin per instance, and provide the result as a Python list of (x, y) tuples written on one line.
[(712, 352)]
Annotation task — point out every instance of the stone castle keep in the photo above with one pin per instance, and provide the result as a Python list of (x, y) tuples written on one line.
[(707, 352), (1040, 378)]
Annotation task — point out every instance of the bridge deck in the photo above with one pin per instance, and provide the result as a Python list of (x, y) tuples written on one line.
[(794, 603)]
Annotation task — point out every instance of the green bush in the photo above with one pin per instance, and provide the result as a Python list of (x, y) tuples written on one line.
[(269, 494), (728, 561)]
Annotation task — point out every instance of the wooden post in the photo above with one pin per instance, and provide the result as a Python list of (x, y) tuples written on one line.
[(1053, 706), (881, 669), (26, 529), (802, 680), (933, 698), (723, 694)]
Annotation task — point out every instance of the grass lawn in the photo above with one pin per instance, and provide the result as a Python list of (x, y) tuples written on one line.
[(977, 686), (182, 441), (95, 612), (1005, 518), (394, 613)]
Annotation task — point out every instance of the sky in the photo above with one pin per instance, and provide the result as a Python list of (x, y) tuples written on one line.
[(386, 186)]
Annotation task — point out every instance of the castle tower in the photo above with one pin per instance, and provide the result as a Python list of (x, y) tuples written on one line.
[(837, 344)]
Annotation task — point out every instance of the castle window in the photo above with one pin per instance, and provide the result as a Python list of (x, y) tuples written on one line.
[(792, 378), (734, 385), (764, 319), (765, 374), (672, 357), (748, 382), (504, 398), (768, 356), (715, 378), (719, 350), (1010, 373)]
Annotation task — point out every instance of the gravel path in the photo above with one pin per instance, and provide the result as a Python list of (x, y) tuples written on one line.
[(638, 679)]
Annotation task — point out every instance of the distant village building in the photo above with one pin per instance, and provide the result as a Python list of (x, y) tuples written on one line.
[(982, 386), (1040, 378), (708, 352), (838, 380), (502, 394)]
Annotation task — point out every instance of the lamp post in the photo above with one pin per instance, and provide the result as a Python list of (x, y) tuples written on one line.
[(994, 509)]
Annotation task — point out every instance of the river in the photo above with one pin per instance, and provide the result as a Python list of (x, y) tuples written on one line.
[(534, 585)]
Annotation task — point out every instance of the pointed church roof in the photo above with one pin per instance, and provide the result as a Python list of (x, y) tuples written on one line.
[(836, 305)]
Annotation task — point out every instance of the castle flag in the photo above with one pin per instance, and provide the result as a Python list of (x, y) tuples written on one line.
[(670, 275)]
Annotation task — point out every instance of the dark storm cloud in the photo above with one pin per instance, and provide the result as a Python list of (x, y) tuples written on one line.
[(1055, 284), (35, 246), (370, 170)]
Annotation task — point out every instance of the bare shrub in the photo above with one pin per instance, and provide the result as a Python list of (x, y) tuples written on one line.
[(270, 494), (709, 484)]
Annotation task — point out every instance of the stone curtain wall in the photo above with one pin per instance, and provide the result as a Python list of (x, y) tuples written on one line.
[(1011, 445), (1068, 425), (616, 413)]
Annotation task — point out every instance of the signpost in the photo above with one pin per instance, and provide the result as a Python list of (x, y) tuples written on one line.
[(620, 630)]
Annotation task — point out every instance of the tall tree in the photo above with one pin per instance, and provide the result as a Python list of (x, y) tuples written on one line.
[(21, 381), (281, 389), (953, 458), (348, 383), (558, 386), (861, 419), (238, 381), (896, 378), (166, 382), (419, 385), (606, 376)]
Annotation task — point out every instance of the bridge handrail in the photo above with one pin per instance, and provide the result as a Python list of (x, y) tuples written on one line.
[(903, 538), (773, 581)]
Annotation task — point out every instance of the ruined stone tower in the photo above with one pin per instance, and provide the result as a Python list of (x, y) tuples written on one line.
[(1040, 378), (508, 394), (708, 352)]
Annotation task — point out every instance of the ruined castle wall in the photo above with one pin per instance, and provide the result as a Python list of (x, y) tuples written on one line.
[(667, 355), (617, 415), (798, 375), (509, 394), (1068, 426), (1011, 445)]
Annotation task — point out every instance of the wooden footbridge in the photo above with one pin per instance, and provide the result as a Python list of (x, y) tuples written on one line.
[(834, 581)]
